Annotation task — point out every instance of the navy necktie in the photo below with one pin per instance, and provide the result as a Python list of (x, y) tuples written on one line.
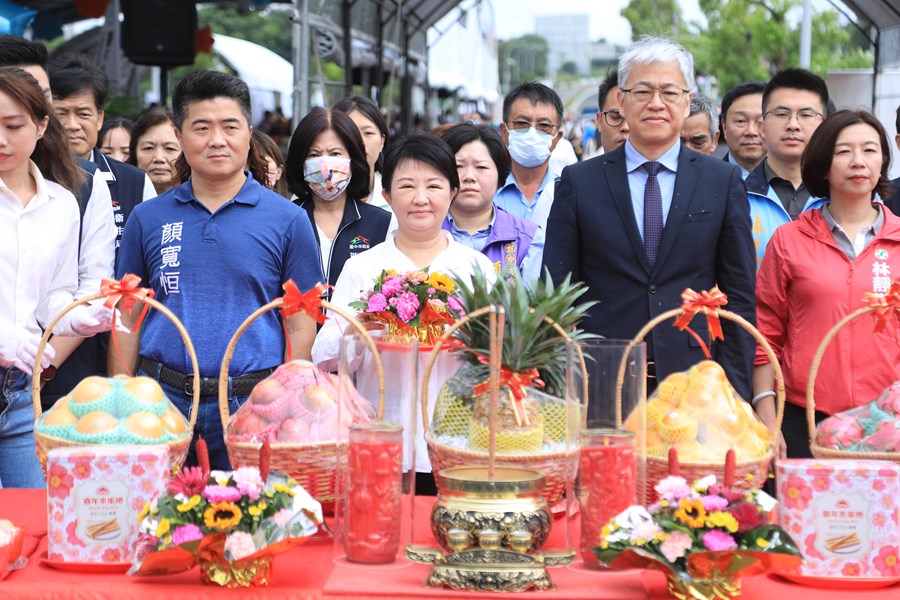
[(653, 213)]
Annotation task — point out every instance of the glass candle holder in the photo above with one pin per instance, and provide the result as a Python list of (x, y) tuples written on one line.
[(374, 493), (607, 483)]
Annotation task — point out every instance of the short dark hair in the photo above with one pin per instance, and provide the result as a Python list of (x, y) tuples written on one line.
[(370, 110), (308, 129), (611, 81), (153, 116), (819, 153), (421, 147), (16, 51), (466, 133), (536, 93), (747, 88), (208, 85), (797, 79), (72, 74)]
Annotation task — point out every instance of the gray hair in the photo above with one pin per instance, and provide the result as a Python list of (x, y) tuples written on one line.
[(649, 50), (702, 104)]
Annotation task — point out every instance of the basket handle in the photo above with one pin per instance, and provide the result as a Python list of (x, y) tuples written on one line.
[(224, 413), (814, 371), (36, 380), (728, 315), (478, 313)]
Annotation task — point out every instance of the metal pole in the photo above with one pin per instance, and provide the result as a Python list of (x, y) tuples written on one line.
[(348, 47), (806, 34), (300, 50)]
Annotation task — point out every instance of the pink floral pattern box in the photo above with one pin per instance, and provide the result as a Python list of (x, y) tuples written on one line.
[(843, 515), (94, 496)]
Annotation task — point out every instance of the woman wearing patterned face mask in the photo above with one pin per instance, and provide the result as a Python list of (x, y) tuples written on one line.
[(328, 175)]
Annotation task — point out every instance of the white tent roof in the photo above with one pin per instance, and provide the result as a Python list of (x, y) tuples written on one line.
[(269, 77)]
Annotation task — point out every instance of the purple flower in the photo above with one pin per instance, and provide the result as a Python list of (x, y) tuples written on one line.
[(221, 493), (407, 306), (186, 533), (714, 503), (431, 291), (377, 303), (454, 304), (392, 286), (717, 541)]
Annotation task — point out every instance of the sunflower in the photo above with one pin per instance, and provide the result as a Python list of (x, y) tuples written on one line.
[(441, 282), (691, 512), (222, 516)]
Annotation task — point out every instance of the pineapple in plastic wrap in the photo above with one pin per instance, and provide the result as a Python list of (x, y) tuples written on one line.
[(529, 342)]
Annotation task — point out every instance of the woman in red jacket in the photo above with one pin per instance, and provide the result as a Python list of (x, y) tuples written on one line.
[(817, 270)]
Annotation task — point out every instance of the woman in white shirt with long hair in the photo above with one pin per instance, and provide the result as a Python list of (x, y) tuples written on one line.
[(39, 221)]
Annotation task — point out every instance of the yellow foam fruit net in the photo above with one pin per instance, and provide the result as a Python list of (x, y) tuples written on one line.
[(461, 416), (700, 415)]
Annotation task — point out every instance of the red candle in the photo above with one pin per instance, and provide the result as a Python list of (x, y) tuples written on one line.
[(607, 483), (372, 522)]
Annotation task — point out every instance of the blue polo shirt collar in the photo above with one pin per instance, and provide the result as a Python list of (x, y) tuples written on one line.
[(249, 194), (486, 230), (511, 181), (634, 159)]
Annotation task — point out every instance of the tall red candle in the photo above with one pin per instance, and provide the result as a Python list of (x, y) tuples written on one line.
[(372, 519), (607, 483)]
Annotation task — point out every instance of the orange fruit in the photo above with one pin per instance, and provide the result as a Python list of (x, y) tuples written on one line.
[(672, 387), (676, 427)]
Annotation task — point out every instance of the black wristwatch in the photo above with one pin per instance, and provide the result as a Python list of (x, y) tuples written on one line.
[(48, 374)]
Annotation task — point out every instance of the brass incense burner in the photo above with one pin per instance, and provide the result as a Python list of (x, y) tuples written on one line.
[(491, 531)]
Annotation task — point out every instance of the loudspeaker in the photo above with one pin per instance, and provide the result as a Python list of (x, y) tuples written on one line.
[(159, 32)]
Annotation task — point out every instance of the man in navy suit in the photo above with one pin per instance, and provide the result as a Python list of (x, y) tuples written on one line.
[(698, 238)]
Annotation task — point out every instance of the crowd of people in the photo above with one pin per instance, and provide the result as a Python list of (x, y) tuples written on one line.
[(795, 225)]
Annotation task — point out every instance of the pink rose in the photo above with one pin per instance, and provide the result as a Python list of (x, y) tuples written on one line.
[(186, 533), (377, 303), (454, 304)]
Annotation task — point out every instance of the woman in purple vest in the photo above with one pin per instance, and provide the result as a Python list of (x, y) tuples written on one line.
[(474, 220)]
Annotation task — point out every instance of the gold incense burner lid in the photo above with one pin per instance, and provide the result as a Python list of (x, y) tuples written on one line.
[(475, 480)]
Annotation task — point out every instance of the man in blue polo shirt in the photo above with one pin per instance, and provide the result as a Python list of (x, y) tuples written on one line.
[(215, 249)]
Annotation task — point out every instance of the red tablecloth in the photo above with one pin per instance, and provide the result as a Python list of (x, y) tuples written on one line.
[(310, 572)]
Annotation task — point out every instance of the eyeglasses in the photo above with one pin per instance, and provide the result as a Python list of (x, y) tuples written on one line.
[(543, 126), (805, 117), (613, 118), (669, 94)]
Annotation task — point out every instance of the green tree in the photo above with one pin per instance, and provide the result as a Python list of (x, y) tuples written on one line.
[(523, 59), (269, 28), (653, 17)]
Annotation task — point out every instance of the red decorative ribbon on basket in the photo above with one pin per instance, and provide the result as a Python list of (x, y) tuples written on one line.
[(516, 381), (294, 301), (885, 305), (706, 303), (128, 290)]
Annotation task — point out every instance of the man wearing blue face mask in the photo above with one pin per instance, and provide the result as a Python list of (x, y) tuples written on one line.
[(532, 114)]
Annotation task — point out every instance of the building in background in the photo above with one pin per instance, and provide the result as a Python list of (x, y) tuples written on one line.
[(569, 39)]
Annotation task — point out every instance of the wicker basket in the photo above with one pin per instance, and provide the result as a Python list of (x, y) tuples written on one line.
[(313, 464), (178, 449), (747, 474), (560, 468), (817, 450)]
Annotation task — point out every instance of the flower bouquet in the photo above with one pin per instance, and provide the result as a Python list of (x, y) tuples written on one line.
[(704, 538), (412, 305), (232, 524)]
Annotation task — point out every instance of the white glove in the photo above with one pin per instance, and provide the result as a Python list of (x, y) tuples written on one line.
[(88, 320), (18, 348)]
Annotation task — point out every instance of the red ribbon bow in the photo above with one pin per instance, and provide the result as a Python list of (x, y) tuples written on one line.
[(885, 305), (516, 381), (704, 302), (127, 290), (310, 303)]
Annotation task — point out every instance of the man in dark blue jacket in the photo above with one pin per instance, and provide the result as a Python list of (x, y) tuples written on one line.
[(79, 93)]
